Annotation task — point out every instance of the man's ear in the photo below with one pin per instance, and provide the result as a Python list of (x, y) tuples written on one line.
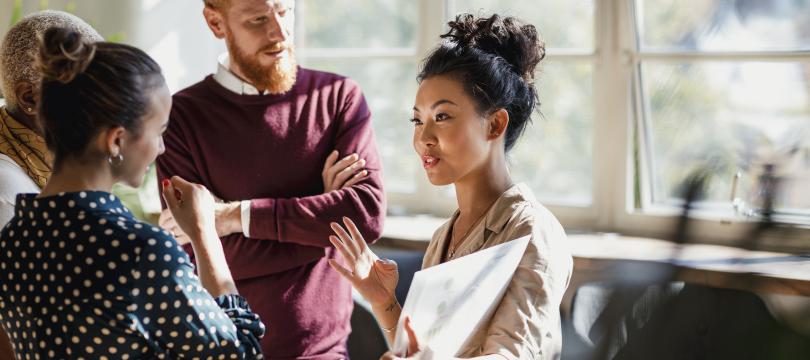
[(498, 122), (26, 95), (215, 21)]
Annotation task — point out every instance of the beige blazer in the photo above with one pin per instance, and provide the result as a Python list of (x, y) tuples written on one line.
[(526, 323)]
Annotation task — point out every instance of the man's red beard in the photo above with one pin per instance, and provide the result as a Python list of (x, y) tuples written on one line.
[(277, 78)]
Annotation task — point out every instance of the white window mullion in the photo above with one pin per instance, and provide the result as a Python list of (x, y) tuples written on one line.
[(611, 125)]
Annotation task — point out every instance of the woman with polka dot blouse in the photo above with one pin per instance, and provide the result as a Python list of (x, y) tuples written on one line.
[(79, 276)]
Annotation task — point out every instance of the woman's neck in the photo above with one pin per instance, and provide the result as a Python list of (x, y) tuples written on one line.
[(77, 176), (478, 190)]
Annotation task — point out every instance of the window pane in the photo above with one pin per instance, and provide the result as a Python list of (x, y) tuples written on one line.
[(357, 23), (554, 155), (729, 117), (724, 25), (562, 24), (391, 102)]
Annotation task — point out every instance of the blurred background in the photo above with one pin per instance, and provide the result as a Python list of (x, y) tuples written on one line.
[(635, 96)]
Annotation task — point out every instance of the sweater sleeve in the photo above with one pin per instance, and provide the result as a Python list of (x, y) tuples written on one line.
[(177, 159), (305, 220)]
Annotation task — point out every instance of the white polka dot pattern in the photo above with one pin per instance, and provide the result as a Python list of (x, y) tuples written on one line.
[(96, 283)]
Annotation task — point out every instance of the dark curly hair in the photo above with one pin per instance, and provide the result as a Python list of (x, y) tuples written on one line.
[(88, 87), (495, 59)]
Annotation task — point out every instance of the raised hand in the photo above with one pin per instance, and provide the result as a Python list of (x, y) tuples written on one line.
[(191, 206), (371, 276)]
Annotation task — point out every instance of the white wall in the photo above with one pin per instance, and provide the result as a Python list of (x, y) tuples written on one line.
[(171, 31)]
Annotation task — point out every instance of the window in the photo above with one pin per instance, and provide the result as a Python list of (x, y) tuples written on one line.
[(635, 96), (374, 42), (554, 155), (725, 87), (381, 47)]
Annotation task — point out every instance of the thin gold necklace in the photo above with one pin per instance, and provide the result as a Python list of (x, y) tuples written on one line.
[(456, 242)]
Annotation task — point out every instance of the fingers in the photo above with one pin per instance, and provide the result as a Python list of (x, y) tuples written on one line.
[(388, 265), (345, 162), (358, 238), (341, 270), (355, 179), (348, 172), (341, 165), (172, 201), (353, 248), (388, 356), (166, 219), (341, 248), (330, 161), (181, 183), (413, 341)]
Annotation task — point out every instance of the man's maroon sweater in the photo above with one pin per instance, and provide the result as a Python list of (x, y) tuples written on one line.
[(270, 149)]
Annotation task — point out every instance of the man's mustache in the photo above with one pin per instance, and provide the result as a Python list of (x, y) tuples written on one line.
[(275, 47)]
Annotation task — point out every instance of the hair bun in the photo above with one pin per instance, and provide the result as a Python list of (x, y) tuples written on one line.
[(507, 37), (64, 54)]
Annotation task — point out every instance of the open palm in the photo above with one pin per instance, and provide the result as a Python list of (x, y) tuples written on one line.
[(371, 276)]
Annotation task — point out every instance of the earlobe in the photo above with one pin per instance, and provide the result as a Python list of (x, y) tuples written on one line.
[(26, 97), (115, 141)]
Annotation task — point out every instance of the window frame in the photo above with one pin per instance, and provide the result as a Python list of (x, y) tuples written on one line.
[(657, 220), (618, 129)]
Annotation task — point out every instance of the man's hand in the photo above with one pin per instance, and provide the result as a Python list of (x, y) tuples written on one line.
[(167, 222), (228, 218), (338, 174)]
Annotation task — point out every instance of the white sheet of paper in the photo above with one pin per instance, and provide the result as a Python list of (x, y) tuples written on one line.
[(448, 302)]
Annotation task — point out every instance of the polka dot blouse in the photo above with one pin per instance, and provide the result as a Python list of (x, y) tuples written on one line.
[(81, 278)]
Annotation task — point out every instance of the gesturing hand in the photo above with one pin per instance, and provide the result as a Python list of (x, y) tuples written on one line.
[(371, 276), (191, 205)]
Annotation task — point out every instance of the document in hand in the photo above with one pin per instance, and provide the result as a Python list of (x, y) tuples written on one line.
[(447, 303)]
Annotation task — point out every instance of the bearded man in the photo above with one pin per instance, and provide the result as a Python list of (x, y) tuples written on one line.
[(289, 150)]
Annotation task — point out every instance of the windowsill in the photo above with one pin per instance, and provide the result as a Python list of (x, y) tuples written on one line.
[(409, 232)]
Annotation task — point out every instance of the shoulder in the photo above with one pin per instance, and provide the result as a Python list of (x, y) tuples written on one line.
[(146, 240), (197, 90), (13, 181), (194, 97), (548, 248), (340, 85)]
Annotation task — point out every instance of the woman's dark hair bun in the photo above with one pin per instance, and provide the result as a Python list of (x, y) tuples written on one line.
[(506, 37), (64, 54)]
